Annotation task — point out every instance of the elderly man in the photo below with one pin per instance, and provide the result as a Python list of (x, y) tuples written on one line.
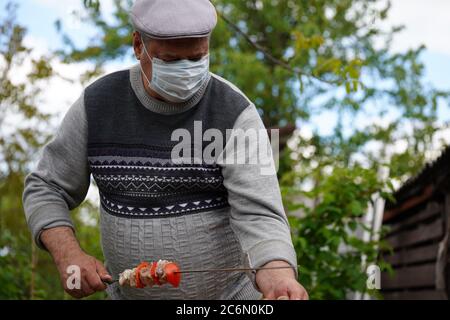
[(200, 214)]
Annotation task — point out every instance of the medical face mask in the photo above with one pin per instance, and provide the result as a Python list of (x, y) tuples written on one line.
[(179, 80)]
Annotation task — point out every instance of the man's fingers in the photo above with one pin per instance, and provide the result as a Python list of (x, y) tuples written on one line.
[(102, 272), (86, 287), (296, 291), (269, 296), (97, 284), (285, 289), (305, 296), (84, 291), (77, 294), (94, 280)]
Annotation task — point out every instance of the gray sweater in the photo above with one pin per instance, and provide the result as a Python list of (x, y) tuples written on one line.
[(202, 215)]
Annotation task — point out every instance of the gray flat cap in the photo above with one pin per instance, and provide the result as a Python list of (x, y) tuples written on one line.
[(174, 19)]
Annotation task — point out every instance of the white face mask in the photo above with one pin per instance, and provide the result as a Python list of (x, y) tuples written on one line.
[(179, 80)]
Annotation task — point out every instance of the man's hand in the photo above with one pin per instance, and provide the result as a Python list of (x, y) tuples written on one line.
[(65, 250), (279, 283)]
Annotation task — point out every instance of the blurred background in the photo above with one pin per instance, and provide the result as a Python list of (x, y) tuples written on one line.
[(360, 89)]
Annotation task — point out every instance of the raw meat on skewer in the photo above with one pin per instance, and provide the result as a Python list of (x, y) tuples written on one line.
[(150, 274)]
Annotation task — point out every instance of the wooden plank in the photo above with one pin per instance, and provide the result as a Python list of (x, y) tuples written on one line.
[(432, 208), (425, 232), (408, 204), (442, 276), (416, 295), (414, 255), (410, 277)]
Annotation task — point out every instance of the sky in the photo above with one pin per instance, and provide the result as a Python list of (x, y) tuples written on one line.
[(426, 22)]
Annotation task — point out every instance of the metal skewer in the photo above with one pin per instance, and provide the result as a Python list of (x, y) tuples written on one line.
[(232, 269), (219, 270), (110, 281)]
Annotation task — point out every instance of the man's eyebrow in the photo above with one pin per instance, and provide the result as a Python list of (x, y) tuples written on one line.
[(170, 56)]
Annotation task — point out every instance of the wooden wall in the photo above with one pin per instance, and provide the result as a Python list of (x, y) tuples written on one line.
[(418, 237)]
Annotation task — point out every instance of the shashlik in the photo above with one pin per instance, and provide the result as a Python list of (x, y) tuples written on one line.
[(150, 274)]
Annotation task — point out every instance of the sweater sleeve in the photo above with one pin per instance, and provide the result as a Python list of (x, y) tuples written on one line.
[(61, 180), (257, 214)]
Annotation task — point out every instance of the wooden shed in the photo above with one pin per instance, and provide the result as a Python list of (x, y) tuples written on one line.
[(419, 234)]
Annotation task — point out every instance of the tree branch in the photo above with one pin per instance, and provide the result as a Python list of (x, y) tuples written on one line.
[(269, 56)]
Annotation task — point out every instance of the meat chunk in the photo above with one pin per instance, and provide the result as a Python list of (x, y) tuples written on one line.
[(150, 274)]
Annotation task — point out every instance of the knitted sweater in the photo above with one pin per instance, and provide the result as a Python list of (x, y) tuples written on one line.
[(201, 214)]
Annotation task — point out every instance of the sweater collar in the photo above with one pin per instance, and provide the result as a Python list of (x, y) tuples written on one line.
[(159, 106)]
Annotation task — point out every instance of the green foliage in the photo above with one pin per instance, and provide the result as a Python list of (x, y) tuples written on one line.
[(329, 196), (326, 236), (14, 263), (25, 272)]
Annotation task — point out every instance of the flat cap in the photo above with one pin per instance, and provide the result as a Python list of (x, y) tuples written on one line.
[(173, 19)]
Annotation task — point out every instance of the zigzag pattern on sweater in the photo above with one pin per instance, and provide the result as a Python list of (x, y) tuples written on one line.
[(138, 187), (155, 187), (150, 163), (156, 184), (179, 208), (142, 178)]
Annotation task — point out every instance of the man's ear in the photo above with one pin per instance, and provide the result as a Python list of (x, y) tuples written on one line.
[(137, 45)]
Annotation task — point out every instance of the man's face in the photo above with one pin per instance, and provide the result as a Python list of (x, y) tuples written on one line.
[(169, 50)]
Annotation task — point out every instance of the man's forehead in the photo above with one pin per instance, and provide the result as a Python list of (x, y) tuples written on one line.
[(187, 43), (174, 49)]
